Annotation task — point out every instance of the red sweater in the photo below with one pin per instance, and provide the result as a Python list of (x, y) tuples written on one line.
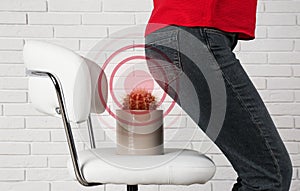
[(227, 15)]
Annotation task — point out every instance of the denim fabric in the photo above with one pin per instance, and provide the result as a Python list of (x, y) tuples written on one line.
[(248, 137)]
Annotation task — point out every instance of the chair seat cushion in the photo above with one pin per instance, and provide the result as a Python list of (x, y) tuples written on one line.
[(175, 166)]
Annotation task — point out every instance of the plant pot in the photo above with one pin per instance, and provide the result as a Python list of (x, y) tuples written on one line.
[(140, 132)]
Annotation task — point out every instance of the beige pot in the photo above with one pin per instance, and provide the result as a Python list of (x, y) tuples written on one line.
[(140, 132)]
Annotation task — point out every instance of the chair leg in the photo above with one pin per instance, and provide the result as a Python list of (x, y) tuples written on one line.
[(132, 187)]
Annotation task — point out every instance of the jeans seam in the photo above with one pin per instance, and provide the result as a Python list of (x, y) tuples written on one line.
[(178, 52), (276, 164)]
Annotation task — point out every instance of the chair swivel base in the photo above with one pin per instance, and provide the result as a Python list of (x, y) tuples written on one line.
[(132, 187)]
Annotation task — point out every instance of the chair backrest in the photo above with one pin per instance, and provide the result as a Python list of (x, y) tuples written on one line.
[(99, 87), (77, 76)]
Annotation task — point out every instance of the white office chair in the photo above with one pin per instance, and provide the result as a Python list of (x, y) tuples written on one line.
[(61, 84)]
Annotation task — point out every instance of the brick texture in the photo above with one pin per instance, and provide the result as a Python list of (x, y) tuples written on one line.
[(33, 148)]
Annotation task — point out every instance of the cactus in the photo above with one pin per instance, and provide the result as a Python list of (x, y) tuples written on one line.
[(139, 99)]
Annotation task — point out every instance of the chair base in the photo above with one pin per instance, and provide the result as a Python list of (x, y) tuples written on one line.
[(132, 187)]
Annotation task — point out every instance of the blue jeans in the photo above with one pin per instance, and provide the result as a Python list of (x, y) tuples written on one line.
[(248, 137)]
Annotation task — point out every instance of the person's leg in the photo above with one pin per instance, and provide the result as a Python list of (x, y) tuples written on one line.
[(261, 159), (248, 137)]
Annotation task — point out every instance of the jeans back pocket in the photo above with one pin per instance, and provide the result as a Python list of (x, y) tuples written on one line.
[(163, 55)]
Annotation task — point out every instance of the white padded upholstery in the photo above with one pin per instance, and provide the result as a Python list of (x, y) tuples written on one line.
[(175, 166), (69, 68)]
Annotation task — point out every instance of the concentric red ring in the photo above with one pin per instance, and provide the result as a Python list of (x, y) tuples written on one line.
[(114, 71)]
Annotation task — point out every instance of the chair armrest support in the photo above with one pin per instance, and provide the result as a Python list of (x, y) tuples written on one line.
[(67, 126)]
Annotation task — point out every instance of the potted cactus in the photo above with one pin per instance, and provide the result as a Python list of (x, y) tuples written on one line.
[(139, 125)]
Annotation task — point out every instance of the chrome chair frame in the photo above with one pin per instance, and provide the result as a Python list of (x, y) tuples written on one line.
[(68, 130), (67, 126)]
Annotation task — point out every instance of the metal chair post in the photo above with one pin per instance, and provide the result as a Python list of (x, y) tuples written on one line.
[(132, 187), (67, 126), (91, 133)]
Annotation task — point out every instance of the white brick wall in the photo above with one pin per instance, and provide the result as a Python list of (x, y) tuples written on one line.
[(33, 151)]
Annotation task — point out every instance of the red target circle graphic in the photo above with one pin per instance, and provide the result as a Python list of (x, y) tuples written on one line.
[(107, 61)]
